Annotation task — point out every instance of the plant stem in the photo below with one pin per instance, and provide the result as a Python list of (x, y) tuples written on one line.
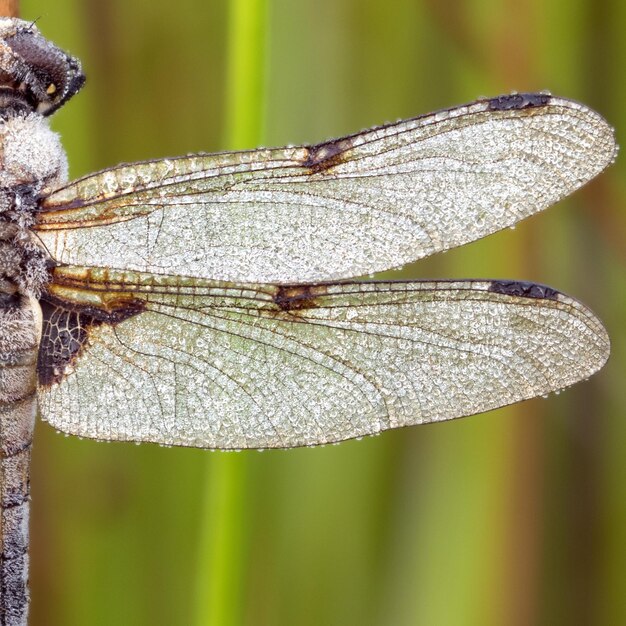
[(9, 8), (225, 531)]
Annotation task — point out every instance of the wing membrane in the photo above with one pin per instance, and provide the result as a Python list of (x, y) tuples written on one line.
[(208, 364), (361, 204)]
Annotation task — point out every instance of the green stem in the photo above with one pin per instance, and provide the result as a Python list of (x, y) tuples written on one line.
[(245, 85), (225, 532)]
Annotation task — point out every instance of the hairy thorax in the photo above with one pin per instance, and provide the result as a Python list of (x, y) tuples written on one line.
[(32, 163)]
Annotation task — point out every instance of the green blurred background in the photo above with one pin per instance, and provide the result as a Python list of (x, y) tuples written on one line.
[(514, 517)]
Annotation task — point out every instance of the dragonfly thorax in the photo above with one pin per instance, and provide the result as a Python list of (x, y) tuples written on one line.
[(33, 163), (36, 78)]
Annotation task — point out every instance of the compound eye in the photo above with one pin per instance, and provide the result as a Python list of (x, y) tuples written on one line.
[(49, 76), (46, 62)]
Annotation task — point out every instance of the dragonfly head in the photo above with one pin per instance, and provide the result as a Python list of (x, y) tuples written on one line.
[(35, 75)]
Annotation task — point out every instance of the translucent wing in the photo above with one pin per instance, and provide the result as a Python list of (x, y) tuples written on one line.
[(361, 204), (198, 363)]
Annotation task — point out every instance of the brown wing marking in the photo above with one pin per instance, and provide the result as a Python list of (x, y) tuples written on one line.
[(291, 298), (325, 156), (70, 309)]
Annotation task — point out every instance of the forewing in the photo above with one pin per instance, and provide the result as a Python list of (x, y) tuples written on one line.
[(349, 207), (198, 363)]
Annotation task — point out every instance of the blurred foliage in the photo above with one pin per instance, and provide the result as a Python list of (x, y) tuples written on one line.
[(513, 517)]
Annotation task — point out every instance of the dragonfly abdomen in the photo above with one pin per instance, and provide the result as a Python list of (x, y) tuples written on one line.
[(19, 336)]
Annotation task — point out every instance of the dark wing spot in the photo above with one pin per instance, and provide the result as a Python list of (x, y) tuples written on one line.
[(75, 203), (523, 289), (519, 101), (297, 297), (327, 155), (65, 333)]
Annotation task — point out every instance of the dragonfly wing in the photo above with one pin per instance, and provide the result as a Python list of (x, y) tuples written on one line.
[(349, 207), (197, 363)]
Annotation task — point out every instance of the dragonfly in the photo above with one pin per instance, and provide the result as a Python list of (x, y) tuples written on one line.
[(210, 300)]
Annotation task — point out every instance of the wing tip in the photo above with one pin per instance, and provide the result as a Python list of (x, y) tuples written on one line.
[(535, 100), (598, 344)]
